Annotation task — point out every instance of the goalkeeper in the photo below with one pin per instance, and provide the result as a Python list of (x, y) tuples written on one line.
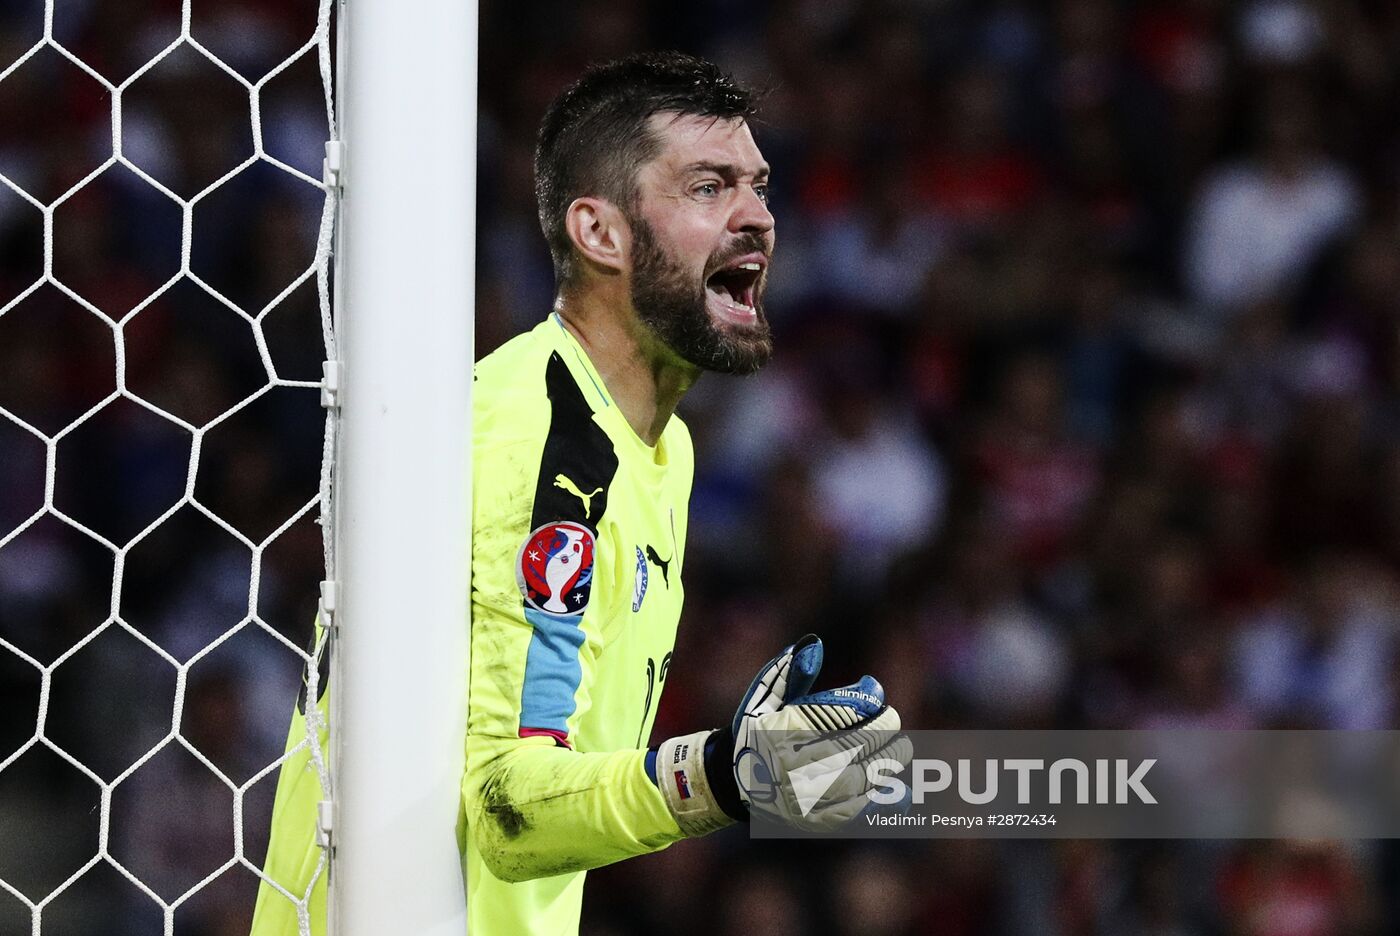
[(654, 200)]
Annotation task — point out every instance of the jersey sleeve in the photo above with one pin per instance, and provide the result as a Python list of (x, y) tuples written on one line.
[(543, 603)]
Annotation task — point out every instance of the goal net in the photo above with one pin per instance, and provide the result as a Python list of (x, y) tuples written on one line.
[(165, 308)]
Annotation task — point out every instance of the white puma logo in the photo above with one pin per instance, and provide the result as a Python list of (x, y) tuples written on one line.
[(562, 481)]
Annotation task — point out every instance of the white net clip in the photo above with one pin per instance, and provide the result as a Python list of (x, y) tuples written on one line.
[(333, 166), (330, 591), (325, 824), (330, 384)]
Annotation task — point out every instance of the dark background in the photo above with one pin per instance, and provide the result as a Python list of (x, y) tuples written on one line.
[(1083, 415)]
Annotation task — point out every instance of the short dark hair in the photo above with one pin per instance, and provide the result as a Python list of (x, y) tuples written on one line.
[(595, 137)]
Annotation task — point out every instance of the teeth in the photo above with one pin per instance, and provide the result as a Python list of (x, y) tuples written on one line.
[(750, 266), (738, 304)]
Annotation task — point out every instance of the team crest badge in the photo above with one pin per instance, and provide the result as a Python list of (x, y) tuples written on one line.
[(639, 584), (555, 568)]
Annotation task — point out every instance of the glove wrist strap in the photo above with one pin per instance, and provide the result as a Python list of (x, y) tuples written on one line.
[(719, 770), (684, 785)]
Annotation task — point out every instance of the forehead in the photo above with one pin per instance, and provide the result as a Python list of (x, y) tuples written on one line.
[(689, 139)]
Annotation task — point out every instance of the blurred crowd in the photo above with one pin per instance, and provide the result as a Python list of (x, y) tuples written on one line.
[(1083, 415)]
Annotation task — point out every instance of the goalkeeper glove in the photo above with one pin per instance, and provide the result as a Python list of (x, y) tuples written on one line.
[(794, 754)]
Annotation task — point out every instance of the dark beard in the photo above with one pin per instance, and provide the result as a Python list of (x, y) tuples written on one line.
[(675, 310)]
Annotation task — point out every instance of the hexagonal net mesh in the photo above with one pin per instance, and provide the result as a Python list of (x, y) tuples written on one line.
[(165, 306)]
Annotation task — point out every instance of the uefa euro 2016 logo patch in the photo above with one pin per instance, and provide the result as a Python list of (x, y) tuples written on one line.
[(555, 568)]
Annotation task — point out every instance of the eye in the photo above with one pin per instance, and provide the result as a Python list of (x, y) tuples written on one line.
[(707, 189), (761, 190)]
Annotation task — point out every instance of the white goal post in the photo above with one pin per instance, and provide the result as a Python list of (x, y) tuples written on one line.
[(406, 92)]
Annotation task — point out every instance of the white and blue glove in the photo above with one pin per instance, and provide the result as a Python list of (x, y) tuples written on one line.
[(795, 755)]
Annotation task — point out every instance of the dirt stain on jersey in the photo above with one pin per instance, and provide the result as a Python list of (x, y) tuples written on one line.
[(502, 810)]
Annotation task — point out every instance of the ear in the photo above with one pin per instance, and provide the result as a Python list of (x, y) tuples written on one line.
[(599, 232)]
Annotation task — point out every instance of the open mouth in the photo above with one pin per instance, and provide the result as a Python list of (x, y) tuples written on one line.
[(736, 285)]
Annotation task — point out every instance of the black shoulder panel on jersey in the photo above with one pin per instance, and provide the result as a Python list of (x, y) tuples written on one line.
[(579, 462)]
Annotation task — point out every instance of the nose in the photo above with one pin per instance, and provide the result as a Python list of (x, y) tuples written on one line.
[(751, 214)]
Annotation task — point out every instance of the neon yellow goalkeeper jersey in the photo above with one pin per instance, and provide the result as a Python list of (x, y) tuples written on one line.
[(578, 543)]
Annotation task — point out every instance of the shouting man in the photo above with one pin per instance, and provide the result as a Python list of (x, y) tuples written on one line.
[(653, 197)]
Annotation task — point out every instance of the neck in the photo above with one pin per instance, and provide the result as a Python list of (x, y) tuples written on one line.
[(644, 378)]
